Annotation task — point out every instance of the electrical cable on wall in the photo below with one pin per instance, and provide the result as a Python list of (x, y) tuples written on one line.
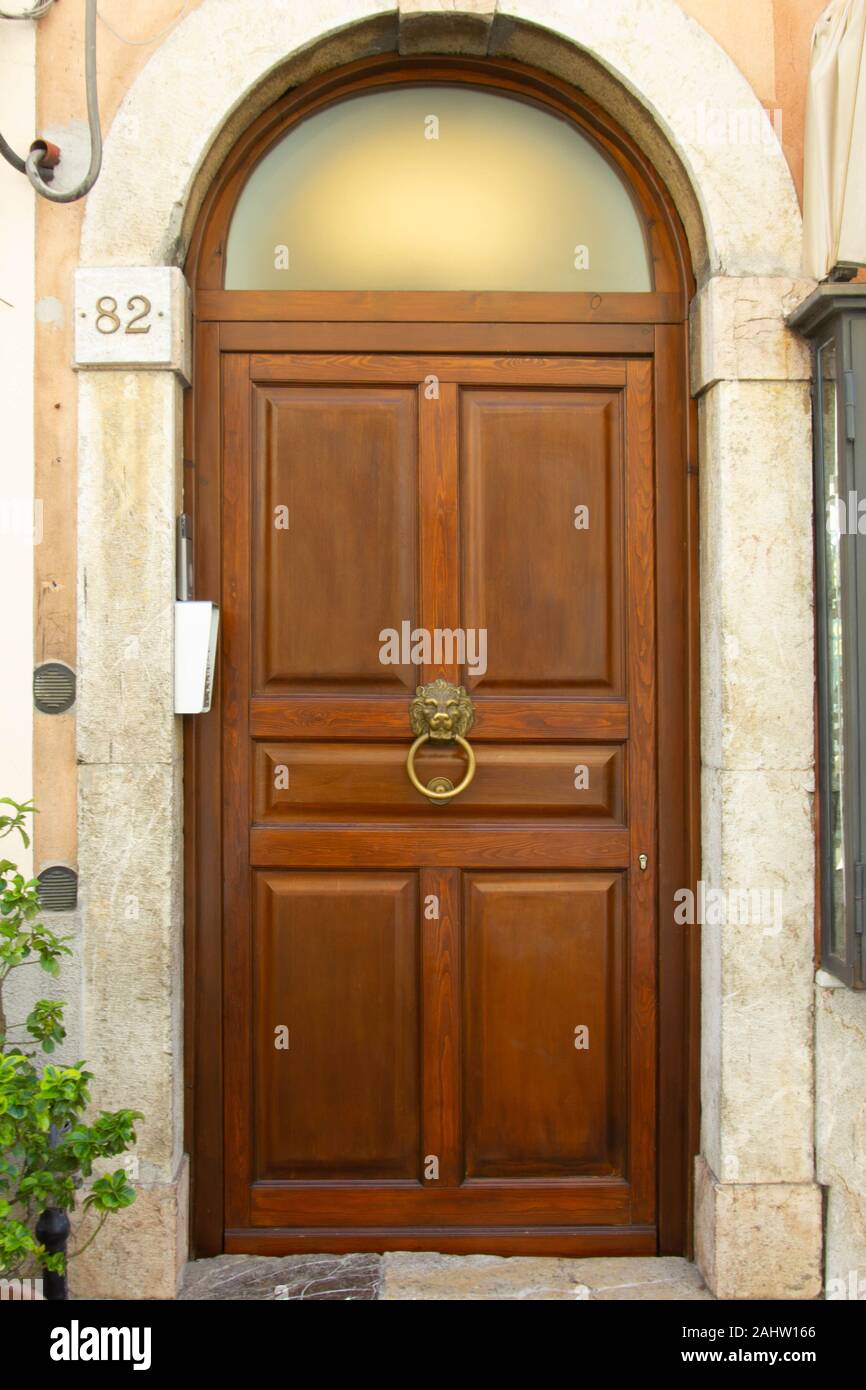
[(43, 157), (35, 12)]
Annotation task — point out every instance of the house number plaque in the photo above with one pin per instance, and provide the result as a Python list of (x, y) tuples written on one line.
[(132, 317)]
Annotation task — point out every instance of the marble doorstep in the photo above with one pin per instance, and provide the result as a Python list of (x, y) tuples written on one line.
[(419, 1277), (343, 1278)]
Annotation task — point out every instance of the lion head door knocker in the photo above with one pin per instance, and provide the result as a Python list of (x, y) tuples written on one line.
[(441, 713)]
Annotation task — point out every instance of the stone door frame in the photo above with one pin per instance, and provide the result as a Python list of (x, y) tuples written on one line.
[(757, 1206)]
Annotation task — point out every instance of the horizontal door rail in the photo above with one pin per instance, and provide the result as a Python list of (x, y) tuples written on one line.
[(594, 339), (501, 372), (461, 846), (438, 306), (377, 717)]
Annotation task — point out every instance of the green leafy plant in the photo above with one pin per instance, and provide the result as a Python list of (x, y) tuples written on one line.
[(46, 1147)]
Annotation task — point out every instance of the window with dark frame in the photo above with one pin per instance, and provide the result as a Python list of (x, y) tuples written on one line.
[(834, 320)]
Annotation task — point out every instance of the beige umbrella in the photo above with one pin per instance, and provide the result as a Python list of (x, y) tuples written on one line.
[(834, 197)]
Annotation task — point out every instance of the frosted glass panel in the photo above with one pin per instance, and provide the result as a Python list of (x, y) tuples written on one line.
[(436, 188)]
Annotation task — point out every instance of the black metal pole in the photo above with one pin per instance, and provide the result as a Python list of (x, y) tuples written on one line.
[(52, 1231)]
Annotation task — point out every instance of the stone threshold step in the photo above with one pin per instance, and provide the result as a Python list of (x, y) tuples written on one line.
[(417, 1277)]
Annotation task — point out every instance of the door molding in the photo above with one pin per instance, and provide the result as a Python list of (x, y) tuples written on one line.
[(651, 328)]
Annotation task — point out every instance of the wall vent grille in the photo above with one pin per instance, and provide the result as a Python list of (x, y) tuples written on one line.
[(58, 888), (53, 687)]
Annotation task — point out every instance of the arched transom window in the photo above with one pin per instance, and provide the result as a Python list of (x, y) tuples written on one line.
[(436, 187)]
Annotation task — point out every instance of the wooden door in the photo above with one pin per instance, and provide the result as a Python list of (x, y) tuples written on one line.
[(439, 1020)]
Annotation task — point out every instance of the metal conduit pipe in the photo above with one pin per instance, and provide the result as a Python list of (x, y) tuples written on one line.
[(43, 156), (40, 151), (11, 157)]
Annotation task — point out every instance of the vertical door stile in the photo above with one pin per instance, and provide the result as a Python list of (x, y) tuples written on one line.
[(640, 533), (440, 889), (440, 1023), (203, 842), (438, 520), (235, 638)]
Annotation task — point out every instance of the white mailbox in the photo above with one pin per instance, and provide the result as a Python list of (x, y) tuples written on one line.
[(195, 639)]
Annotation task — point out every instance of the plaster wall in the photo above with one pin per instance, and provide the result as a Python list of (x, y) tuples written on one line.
[(19, 519)]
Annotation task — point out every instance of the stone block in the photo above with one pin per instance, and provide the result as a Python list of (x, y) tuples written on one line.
[(757, 627), (758, 1241), (445, 26), (140, 1252), (738, 331), (128, 500), (133, 317)]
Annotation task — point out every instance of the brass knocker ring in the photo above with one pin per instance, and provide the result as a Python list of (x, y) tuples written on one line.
[(440, 788)]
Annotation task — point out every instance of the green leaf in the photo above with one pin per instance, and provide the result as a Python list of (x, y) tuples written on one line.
[(46, 1148), (111, 1193)]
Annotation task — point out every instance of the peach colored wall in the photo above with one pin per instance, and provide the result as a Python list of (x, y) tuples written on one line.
[(61, 114), (768, 39), (17, 531)]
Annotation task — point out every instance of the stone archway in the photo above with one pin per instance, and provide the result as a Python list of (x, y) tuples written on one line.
[(758, 1205)]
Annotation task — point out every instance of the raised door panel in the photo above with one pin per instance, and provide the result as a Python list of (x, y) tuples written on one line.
[(544, 959), (297, 782), (543, 579), (336, 964), (334, 557)]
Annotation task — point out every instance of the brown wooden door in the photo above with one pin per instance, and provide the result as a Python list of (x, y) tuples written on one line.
[(439, 1020)]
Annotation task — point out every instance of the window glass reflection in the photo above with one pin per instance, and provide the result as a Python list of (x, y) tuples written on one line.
[(834, 540), (436, 188)]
